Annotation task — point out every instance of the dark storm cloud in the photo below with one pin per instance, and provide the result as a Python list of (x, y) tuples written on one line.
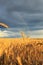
[(22, 14), (30, 6)]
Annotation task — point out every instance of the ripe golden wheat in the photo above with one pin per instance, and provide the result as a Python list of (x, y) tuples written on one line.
[(21, 51)]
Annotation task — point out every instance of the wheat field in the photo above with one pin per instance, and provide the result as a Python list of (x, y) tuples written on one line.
[(21, 51)]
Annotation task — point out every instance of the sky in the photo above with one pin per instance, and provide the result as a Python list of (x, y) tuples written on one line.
[(21, 15)]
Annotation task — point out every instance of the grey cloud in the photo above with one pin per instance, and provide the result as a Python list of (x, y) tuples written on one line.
[(25, 13), (30, 6)]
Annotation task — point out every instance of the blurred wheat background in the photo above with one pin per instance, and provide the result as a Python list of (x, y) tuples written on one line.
[(21, 51)]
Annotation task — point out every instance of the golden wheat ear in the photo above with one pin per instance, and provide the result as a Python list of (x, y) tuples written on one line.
[(4, 25)]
